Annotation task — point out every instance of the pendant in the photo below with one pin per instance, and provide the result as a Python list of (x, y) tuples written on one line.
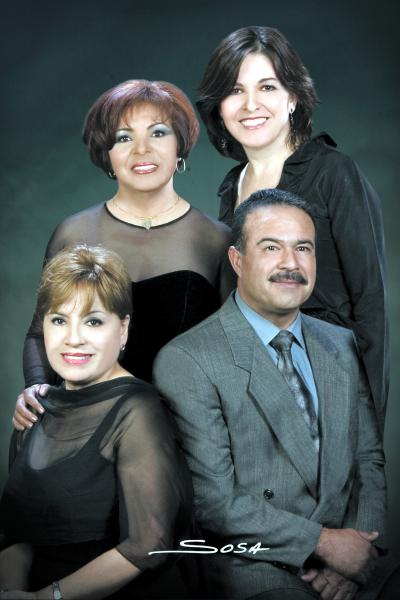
[(147, 223)]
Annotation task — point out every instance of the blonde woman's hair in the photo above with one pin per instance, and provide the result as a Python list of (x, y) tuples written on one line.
[(87, 270)]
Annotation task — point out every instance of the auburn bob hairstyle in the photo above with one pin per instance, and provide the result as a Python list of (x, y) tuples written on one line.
[(104, 118)]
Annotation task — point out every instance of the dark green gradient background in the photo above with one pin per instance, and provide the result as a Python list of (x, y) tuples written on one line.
[(59, 56)]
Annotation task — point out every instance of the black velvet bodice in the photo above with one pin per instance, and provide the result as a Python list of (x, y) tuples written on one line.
[(180, 275), (164, 307)]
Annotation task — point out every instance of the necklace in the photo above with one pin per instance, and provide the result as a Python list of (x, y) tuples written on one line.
[(147, 222)]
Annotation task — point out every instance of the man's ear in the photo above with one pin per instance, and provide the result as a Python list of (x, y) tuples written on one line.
[(235, 258)]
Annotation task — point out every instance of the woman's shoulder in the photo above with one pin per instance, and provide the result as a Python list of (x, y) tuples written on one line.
[(334, 172), (142, 408), (230, 179), (323, 148), (84, 216), (137, 393), (78, 227), (210, 224)]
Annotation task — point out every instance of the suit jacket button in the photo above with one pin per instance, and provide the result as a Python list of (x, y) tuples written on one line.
[(268, 494)]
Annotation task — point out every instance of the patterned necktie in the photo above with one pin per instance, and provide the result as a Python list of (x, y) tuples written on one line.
[(282, 343)]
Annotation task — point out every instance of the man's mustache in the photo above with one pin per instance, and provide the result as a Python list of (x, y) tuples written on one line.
[(288, 276)]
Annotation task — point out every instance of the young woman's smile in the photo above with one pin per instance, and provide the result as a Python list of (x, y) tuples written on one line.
[(256, 112)]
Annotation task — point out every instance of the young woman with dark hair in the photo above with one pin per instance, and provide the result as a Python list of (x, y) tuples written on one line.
[(257, 100)]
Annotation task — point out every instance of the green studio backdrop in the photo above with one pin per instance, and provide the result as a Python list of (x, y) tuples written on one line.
[(59, 56)]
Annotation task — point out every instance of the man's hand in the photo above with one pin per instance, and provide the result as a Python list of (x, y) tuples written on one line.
[(330, 584), (348, 551), (24, 417)]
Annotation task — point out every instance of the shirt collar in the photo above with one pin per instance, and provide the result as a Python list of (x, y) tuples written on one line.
[(266, 330), (301, 156)]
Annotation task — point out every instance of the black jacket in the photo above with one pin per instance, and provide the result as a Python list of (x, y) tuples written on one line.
[(351, 273)]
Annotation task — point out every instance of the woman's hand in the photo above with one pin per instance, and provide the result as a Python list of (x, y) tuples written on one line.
[(25, 417)]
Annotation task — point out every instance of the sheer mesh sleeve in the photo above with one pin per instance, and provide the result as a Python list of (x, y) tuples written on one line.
[(154, 484), (125, 421), (15, 446), (192, 244)]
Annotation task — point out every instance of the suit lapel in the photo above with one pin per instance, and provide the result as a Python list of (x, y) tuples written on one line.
[(270, 393), (332, 382), (276, 403), (239, 333)]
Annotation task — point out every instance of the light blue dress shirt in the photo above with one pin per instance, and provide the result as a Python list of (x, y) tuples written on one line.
[(266, 331)]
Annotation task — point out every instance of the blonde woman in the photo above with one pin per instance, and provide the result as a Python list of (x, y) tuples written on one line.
[(99, 482)]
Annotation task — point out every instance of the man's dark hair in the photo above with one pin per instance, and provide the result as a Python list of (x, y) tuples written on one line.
[(263, 199)]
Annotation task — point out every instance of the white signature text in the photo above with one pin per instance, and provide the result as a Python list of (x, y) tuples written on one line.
[(198, 547)]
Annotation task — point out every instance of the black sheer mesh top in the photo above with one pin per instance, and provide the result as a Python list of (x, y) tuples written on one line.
[(102, 462), (180, 275)]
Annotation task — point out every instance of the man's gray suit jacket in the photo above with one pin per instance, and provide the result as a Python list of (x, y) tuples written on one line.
[(256, 474)]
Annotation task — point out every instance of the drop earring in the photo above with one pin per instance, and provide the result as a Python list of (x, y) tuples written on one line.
[(292, 127), (180, 165)]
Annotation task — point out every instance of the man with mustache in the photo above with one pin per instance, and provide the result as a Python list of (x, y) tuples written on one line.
[(278, 426)]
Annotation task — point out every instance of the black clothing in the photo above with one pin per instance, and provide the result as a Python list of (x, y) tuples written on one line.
[(351, 275), (180, 274), (100, 469)]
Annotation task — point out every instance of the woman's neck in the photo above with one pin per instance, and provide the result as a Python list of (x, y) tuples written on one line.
[(264, 169), (115, 372), (268, 157), (147, 208), (145, 202)]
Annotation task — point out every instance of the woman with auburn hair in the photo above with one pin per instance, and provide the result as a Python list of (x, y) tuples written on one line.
[(140, 133), (257, 100), (99, 483)]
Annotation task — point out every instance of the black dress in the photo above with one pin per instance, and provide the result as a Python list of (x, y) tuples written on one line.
[(180, 274), (101, 469), (351, 275)]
